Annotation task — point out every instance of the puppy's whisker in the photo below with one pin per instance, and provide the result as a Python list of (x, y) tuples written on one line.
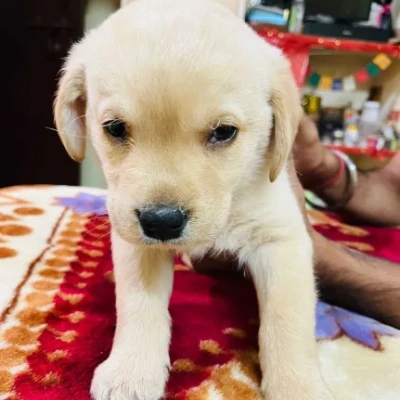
[(77, 118), (65, 134), (97, 227), (103, 236), (51, 129), (94, 229)]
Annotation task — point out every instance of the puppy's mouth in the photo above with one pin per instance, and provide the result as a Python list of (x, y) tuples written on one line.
[(172, 244)]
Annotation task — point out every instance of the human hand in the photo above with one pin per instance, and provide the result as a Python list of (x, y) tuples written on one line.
[(308, 151), (316, 165)]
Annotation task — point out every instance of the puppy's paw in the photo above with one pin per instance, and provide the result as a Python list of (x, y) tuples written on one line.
[(297, 391), (115, 380)]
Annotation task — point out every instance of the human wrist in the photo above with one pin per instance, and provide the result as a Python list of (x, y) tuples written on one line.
[(324, 170), (327, 169), (331, 180)]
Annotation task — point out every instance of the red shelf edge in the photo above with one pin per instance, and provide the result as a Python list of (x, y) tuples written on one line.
[(380, 154), (284, 39)]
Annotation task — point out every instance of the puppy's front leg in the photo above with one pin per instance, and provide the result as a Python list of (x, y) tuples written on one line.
[(137, 368), (283, 276)]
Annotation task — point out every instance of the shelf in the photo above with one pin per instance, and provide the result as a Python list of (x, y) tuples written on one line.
[(299, 47), (283, 39)]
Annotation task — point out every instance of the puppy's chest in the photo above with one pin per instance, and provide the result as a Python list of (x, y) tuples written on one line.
[(236, 236), (261, 217), (243, 233)]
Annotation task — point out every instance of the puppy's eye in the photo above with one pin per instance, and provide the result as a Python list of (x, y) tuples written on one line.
[(222, 134), (116, 128)]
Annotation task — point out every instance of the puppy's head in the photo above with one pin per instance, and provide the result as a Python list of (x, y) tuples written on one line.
[(186, 107)]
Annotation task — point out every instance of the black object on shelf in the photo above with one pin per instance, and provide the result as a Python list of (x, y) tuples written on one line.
[(347, 11), (282, 4), (337, 19), (342, 31)]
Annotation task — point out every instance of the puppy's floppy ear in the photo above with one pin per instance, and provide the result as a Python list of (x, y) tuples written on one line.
[(285, 101), (70, 105)]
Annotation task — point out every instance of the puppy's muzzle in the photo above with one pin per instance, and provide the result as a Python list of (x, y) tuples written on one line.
[(162, 222)]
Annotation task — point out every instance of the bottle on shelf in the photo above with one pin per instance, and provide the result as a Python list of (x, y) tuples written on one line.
[(370, 124), (397, 27), (396, 114), (386, 19), (351, 136), (391, 128), (350, 116), (296, 16), (312, 106)]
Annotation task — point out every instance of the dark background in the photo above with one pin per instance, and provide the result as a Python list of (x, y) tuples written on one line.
[(35, 38)]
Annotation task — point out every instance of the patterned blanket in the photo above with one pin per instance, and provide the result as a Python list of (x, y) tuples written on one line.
[(57, 311)]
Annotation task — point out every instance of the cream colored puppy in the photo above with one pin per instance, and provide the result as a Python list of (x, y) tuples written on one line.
[(193, 117)]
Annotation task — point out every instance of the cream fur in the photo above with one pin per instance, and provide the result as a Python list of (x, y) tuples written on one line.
[(172, 69)]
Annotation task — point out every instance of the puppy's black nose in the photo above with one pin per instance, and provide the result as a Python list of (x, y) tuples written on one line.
[(162, 222)]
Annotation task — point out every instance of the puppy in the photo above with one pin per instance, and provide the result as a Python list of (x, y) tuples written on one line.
[(193, 116)]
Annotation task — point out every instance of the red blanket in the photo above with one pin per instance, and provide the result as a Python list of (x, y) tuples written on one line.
[(58, 316)]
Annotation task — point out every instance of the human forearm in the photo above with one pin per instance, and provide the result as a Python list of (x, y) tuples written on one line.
[(357, 281), (347, 278)]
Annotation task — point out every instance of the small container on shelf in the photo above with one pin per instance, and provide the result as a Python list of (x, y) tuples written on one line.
[(351, 136), (370, 124), (312, 106), (350, 116), (338, 137), (391, 128)]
